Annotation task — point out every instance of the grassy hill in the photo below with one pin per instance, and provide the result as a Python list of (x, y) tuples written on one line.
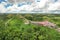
[(12, 27)]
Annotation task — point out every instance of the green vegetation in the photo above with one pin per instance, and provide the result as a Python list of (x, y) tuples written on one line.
[(12, 27)]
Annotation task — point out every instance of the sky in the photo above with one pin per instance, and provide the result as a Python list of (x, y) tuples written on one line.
[(29, 6)]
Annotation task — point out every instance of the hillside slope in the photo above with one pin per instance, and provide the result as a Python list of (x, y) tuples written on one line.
[(13, 28)]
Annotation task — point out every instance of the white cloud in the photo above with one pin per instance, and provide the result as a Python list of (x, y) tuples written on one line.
[(15, 8), (2, 8), (20, 1), (12, 8), (54, 6), (42, 6)]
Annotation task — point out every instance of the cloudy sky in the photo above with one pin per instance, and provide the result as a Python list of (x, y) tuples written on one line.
[(29, 6)]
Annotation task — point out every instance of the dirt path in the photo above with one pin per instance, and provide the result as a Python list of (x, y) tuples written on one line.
[(53, 27), (58, 29)]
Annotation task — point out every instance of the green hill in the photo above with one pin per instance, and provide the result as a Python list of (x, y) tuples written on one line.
[(12, 27)]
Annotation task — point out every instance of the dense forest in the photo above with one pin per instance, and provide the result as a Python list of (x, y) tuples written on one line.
[(12, 27)]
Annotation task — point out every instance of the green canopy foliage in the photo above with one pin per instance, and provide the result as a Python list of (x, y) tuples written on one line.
[(15, 29)]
